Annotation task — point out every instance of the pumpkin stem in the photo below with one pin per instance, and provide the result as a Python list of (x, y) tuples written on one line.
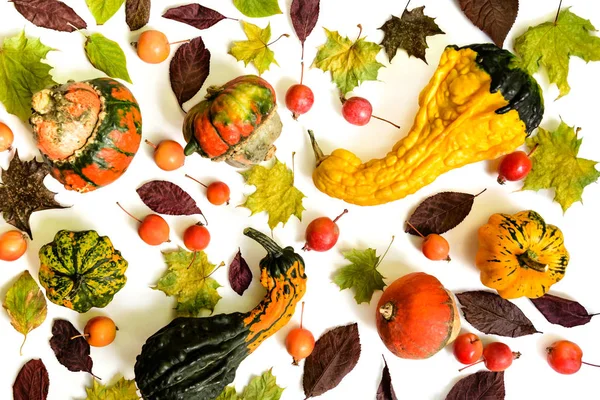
[(529, 260), (191, 147), (387, 311), (195, 180), (266, 242), (319, 156), (340, 216)]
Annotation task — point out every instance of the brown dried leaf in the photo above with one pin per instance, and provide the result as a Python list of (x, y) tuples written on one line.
[(482, 385), (189, 69), (240, 274), (32, 382), (23, 192), (74, 354), (137, 13), (494, 17), (440, 213), (195, 15), (51, 14), (559, 311), (493, 315), (336, 353)]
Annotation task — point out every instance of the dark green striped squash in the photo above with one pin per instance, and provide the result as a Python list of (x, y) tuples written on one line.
[(81, 270), (88, 132), (236, 122), (195, 358)]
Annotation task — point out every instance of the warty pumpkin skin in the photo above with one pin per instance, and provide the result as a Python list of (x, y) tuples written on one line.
[(477, 106), (417, 317), (81, 270), (88, 132), (236, 122), (520, 255), (195, 358)]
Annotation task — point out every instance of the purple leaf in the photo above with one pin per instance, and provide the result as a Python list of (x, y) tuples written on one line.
[(189, 69), (137, 13), (72, 353), (559, 311), (240, 275), (51, 14), (386, 389), (195, 15), (305, 14), (482, 385), (164, 197), (32, 382)]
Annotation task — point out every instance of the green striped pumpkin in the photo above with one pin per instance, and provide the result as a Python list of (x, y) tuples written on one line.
[(81, 270)]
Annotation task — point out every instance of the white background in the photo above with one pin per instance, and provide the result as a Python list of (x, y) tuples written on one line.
[(140, 311)]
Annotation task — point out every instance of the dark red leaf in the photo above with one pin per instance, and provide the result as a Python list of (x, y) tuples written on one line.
[(32, 382), (72, 353), (482, 385), (164, 197), (240, 275), (440, 213), (559, 311), (51, 14), (137, 13), (195, 15), (386, 389), (494, 17), (305, 14), (491, 314), (189, 69), (336, 353)]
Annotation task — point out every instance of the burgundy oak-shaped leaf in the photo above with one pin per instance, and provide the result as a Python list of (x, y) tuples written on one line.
[(137, 13), (240, 274), (336, 353), (559, 311), (51, 14), (305, 14), (482, 385), (491, 314), (440, 213), (189, 69), (74, 354), (386, 389), (32, 382), (195, 15), (164, 197), (494, 17)]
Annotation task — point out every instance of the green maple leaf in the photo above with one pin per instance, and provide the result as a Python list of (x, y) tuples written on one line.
[(188, 279), (551, 44), (103, 10), (263, 387), (350, 63), (257, 8), (555, 165), (26, 305), (123, 389), (107, 56), (22, 73), (409, 33), (275, 193), (256, 49), (362, 274)]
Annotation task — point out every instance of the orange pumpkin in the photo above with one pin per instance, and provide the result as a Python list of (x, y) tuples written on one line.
[(417, 316)]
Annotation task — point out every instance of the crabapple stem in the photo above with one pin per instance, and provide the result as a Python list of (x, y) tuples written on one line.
[(302, 315), (127, 212), (302, 65), (180, 41), (415, 229), (532, 150), (340, 216), (385, 120), (80, 336), (151, 144), (591, 365), (470, 365), (196, 180)]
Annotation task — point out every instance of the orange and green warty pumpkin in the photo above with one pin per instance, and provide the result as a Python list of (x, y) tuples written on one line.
[(520, 255), (236, 123), (88, 132), (81, 270)]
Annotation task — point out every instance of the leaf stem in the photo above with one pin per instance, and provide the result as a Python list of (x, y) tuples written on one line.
[(22, 344), (359, 32), (127, 212), (385, 120), (302, 65), (276, 40), (386, 251), (558, 12), (415, 229), (196, 180), (407, 4), (480, 193), (215, 270), (293, 166)]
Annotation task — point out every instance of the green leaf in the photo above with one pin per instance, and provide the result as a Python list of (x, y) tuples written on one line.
[(103, 10), (26, 305), (257, 8), (551, 44), (123, 389), (255, 50), (350, 63), (275, 193), (262, 387), (361, 275), (107, 56), (555, 165), (22, 73), (187, 279)]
